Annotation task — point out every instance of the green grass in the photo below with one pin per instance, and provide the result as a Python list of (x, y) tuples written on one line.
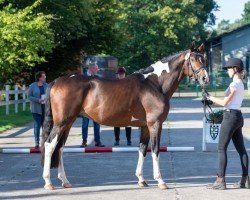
[(14, 119)]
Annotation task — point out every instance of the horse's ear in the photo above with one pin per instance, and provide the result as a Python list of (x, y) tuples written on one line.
[(201, 48), (193, 46)]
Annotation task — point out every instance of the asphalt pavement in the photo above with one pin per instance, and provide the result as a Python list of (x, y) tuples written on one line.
[(111, 175)]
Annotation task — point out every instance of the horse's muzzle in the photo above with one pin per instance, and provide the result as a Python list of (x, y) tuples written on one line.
[(204, 78)]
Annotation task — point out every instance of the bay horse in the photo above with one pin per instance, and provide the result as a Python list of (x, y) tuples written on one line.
[(140, 100)]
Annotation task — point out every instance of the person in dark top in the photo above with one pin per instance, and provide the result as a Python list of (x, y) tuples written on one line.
[(92, 71), (36, 95), (121, 73)]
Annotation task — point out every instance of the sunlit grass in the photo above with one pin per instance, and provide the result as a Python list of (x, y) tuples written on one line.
[(14, 119)]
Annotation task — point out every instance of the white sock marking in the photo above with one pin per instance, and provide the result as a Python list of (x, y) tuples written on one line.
[(49, 148), (156, 167), (139, 169), (61, 172)]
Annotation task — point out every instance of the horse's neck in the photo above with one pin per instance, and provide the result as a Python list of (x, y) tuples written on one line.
[(170, 82), (166, 74)]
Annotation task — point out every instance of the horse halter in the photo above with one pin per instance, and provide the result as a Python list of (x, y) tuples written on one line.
[(194, 72)]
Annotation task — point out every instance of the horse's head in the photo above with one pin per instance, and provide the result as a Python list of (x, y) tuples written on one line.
[(194, 64)]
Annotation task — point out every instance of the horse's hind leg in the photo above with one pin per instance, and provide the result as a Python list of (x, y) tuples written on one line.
[(49, 149), (142, 154), (61, 172), (155, 135)]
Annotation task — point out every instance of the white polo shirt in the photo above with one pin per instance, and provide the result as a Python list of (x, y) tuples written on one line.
[(237, 99)]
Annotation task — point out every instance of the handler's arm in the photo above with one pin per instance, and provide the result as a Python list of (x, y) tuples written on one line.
[(226, 100)]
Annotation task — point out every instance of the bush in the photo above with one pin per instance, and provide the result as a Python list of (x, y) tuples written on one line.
[(216, 116)]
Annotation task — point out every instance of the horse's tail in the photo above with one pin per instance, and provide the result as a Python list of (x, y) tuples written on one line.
[(48, 120), (55, 158)]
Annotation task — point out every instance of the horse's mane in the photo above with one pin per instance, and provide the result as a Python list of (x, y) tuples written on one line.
[(170, 58)]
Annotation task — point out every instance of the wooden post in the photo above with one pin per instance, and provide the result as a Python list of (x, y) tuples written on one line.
[(16, 99), (24, 97), (7, 99)]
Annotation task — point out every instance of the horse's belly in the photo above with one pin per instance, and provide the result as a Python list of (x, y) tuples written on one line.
[(123, 121), (116, 120)]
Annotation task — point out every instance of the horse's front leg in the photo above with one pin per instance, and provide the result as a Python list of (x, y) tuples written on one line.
[(61, 172), (144, 139), (155, 136)]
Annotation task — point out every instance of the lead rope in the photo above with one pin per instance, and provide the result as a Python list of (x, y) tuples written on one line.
[(206, 107)]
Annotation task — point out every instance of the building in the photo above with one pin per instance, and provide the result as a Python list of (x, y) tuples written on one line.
[(235, 43)]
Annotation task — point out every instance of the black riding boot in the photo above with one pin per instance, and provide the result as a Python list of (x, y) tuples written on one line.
[(243, 183), (219, 184)]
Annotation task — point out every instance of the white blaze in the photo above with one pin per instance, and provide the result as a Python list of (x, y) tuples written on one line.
[(187, 56), (207, 77)]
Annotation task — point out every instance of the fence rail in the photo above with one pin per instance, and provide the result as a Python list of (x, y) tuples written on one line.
[(16, 92)]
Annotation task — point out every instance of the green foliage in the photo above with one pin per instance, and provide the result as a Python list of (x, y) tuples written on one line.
[(25, 38), (79, 25), (216, 116), (102, 33), (70, 17), (137, 32), (246, 13), (225, 26), (153, 29)]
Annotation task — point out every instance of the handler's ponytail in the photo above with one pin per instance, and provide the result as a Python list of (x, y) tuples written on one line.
[(243, 75)]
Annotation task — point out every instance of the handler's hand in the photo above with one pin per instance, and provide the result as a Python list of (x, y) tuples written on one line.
[(205, 94), (207, 102), (41, 101)]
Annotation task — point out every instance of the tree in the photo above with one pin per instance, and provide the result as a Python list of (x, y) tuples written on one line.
[(77, 24), (95, 33), (25, 39), (137, 32), (246, 13), (225, 26), (153, 29)]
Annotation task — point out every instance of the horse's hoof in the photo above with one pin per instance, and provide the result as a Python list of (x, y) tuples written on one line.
[(49, 187), (163, 186), (67, 185), (143, 184)]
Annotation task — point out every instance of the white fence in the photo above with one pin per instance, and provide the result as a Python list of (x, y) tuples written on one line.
[(7, 102)]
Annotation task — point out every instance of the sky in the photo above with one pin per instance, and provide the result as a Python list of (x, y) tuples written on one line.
[(229, 9)]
